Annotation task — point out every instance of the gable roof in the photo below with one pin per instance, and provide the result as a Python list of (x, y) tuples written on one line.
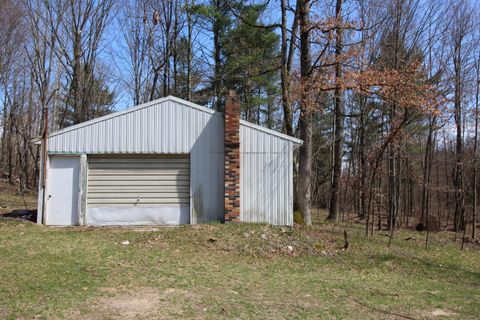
[(158, 101)]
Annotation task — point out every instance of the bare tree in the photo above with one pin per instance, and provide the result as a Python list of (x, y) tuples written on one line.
[(475, 147), (460, 29), (287, 53), (338, 109), (306, 113), (133, 22), (78, 40)]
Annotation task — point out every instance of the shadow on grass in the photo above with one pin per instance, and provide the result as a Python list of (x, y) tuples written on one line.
[(23, 215)]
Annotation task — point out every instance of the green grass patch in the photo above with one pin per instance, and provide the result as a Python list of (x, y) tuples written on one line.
[(232, 271)]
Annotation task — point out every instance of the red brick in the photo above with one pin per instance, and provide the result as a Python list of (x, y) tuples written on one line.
[(232, 158)]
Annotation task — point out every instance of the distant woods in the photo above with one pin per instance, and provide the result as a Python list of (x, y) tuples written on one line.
[(384, 94)]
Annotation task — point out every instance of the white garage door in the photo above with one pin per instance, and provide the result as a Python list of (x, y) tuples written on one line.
[(138, 190)]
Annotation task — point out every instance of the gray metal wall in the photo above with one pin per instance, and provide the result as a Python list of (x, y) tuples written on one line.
[(266, 177), (174, 126), (167, 126)]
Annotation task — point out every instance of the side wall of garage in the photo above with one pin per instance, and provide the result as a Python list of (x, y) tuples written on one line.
[(266, 177)]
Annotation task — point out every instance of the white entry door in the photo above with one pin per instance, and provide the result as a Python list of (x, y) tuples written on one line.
[(62, 192)]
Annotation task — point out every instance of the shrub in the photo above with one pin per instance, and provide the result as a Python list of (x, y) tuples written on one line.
[(433, 225), (298, 217)]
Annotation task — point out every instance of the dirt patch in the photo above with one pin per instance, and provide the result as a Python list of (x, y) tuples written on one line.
[(130, 305), (442, 313), (138, 303)]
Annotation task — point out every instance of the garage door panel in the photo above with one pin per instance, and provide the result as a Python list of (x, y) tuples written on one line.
[(152, 177), (122, 189), (117, 165), (133, 201), (138, 172), (145, 159), (155, 188), (136, 195), (139, 215), (177, 206), (141, 183)]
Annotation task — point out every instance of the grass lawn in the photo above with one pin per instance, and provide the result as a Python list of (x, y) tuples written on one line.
[(232, 271), (11, 198)]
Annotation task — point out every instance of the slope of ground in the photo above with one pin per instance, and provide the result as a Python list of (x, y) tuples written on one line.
[(232, 271)]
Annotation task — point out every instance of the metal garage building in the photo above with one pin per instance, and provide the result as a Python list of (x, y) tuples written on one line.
[(167, 162)]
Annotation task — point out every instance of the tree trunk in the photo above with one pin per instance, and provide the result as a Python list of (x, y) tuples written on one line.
[(363, 161), (475, 156), (338, 144), (306, 115), (285, 75), (392, 187), (175, 49), (427, 168), (76, 81), (217, 47), (458, 175), (189, 52)]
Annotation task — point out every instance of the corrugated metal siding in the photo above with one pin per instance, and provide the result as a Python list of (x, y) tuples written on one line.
[(266, 181), (170, 126), (138, 181), (165, 127)]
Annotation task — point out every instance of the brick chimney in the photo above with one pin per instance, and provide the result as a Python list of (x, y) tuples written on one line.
[(232, 158)]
